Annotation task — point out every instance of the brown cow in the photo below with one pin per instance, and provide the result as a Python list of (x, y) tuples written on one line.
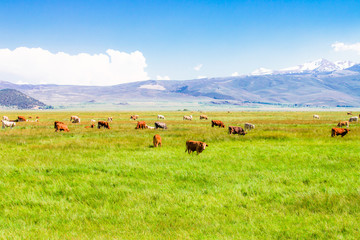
[(56, 123), (21, 119), (134, 117), (217, 123), (157, 140), (349, 113), (37, 117), (141, 125), (92, 126), (203, 117), (195, 146), (103, 124), (344, 123), (339, 131), (61, 127), (29, 117), (236, 130)]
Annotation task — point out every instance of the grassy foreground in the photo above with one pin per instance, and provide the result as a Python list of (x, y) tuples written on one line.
[(286, 179)]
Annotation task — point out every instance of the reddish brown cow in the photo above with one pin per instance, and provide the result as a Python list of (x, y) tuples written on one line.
[(195, 146), (30, 117), (339, 131), (203, 117), (236, 130), (103, 124), (349, 113), (37, 117), (61, 127), (141, 125), (21, 119), (92, 126), (345, 123), (217, 123), (134, 117), (56, 123), (157, 140)]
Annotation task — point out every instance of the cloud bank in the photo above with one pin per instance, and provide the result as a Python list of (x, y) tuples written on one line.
[(39, 66), (339, 46)]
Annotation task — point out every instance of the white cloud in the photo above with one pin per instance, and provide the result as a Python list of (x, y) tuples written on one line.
[(36, 65), (198, 67), (235, 74), (339, 46), (162, 77), (199, 77)]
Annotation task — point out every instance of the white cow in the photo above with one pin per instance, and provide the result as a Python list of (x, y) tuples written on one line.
[(93, 120), (5, 118), (187, 117), (8, 124), (150, 127), (161, 117), (110, 119), (354, 119), (75, 119), (249, 126), (316, 116)]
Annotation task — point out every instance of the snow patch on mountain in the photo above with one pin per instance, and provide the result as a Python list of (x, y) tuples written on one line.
[(153, 87)]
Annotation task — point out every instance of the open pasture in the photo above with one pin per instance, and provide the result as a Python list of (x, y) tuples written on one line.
[(287, 178)]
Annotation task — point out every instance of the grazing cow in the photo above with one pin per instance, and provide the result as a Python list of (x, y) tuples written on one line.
[(249, 126), (134, 117), (21, 119), (92, 126), (150, 127), (349, 113), (72, 118), (195, 146), (316, 116), (5, 118), (236, 130), (141, 125), (344, 123), (61, 127), (56, 123), (203, 117), (75, 119), (103, 124), (6, 123), (339, 131), (187, 117), (160, 125), (110, 119), (29, 117), (354, 119), (217, 123), (37, 117), (161, 117), (157, 140)]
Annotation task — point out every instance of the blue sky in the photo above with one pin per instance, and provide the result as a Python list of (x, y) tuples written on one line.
[(221, 37)]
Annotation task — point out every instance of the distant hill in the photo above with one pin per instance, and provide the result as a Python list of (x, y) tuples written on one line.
[(14, 98), (319, 84)]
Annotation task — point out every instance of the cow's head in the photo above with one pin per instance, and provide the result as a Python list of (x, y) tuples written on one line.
[(204, 145)]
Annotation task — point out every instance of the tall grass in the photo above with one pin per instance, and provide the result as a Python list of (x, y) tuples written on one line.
[(286, 179)]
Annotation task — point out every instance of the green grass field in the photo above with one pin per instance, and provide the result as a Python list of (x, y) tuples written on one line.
[(287, 179)]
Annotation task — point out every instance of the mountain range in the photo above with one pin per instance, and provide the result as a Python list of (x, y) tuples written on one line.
[(319, 83)]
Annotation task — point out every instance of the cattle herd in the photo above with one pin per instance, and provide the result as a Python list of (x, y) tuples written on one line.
[(191, 146)]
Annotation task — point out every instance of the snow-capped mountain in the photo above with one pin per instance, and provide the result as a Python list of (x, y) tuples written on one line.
[(320, 65)]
